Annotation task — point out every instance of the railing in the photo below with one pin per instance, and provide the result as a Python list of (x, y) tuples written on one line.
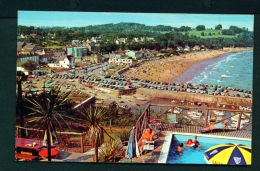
[(82, 135), (143, 120)]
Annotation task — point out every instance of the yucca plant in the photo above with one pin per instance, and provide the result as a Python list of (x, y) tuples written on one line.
[(49, 112), (111, 151), (95, 135)]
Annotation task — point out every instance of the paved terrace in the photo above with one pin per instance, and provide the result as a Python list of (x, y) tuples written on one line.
[(151, 156)]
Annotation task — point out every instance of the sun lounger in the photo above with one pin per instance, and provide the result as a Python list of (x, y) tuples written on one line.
[(228, 124), (149, 145)]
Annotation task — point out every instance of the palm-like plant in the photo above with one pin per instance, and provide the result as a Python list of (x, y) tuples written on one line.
[(92, 117), (49, 111), (111, 151)]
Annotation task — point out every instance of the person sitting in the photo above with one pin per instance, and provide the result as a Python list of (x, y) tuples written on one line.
[(147, 136), (215, 126)]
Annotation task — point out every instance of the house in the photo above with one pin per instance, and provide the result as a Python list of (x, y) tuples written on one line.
[(95, 47), (134, 54), (187, 48), (96, 58), (120, 60), (40, 52), (203, 47), (150, 39), (179, 49), (49, 53), (96, 39), (196, 48), (28, 48), (135, 39), (75, 42), (65, 61), (24, 36), (26, 57), (44, 58), (58, 52), (52, 35), (120, 40), (20, 44), (145, 53), (77, 51), (113, 58)]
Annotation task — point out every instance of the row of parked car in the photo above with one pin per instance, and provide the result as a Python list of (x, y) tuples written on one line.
[(189, 87), (114, 82)]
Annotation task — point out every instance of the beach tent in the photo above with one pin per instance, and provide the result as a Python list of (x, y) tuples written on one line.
[(228, 154)]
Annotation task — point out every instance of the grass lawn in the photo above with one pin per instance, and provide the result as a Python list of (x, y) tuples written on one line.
[(117, 68), (53, 47), (113, 132), (218, 33)]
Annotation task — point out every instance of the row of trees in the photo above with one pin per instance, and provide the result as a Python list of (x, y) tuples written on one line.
[(177, 37)]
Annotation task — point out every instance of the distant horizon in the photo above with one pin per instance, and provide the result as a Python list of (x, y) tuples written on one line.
[(83, 19)]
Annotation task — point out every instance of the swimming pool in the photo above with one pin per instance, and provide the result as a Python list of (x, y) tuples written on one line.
[(192, 156)]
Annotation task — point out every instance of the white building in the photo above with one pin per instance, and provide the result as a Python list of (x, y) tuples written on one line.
[(119, 60), (134, 54), (120, 40)]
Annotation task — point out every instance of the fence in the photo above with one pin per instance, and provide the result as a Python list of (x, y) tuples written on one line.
[(236, 115), (82, 135)]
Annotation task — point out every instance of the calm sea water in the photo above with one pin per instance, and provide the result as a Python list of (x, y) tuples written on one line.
[(230, 70)]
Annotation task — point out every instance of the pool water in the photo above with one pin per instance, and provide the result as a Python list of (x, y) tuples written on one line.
[(194, 156)]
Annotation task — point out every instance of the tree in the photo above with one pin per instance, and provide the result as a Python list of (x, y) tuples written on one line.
[(202, 34), (210, 34), (218, 27), (20, 76), (112, 113), (49, 110), (30, 65), (200, 28), (92, 117)]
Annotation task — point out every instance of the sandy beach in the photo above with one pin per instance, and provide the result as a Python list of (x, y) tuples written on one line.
[(165, 70)]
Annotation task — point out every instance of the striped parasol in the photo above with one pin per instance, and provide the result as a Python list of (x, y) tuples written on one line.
[(228, 154)]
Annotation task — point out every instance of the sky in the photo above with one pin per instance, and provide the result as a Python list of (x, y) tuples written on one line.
[(79, 19)]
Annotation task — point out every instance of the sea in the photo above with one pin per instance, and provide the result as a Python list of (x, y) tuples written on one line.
[(230, 70)]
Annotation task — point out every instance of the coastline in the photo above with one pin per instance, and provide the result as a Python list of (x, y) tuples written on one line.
[(165, 70)]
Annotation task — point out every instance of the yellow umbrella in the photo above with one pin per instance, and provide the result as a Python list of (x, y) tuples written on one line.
[(228, 154)]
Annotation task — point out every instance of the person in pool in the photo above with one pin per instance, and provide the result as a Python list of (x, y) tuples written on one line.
[(189, 142), (195, 142), (180, 148), (215, 126)]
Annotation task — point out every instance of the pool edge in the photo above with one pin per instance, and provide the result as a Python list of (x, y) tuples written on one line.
[(168, 137)]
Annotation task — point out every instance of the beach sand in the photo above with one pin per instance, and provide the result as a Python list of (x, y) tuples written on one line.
[(165, 70)]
